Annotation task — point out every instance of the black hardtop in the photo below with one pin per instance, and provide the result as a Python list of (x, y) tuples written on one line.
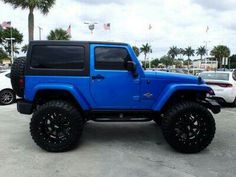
[(62, 42)]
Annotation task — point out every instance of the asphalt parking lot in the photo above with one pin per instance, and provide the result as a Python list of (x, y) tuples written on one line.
[(115, 150)]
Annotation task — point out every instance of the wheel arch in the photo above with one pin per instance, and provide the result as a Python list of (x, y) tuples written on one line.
[(180, 92), (42, 95)]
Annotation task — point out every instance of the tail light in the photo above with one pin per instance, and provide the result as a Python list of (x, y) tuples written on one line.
[(211, 92), (21, 83), (225, 85)]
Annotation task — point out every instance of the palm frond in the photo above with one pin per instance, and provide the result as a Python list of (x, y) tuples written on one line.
[(45, 5)]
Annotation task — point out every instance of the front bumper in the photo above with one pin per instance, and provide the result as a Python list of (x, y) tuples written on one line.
[(213, 105), (24, 107)]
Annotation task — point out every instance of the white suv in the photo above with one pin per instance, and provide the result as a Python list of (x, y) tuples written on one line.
[(7, 95)]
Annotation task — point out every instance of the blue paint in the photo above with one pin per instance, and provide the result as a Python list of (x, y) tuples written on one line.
[(119, 89)]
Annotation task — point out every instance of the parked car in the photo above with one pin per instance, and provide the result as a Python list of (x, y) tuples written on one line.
[(7, 95), (176, 70), (223, 83), (223, 69)]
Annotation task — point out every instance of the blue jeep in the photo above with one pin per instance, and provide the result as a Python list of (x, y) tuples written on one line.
[(66, 83)]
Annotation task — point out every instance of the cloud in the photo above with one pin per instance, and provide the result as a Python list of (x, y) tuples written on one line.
[(217, 5)]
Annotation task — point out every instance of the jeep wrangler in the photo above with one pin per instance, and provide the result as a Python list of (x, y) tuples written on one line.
[(66, 83)]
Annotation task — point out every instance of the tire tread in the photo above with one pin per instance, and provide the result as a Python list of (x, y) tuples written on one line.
[(75, 116)]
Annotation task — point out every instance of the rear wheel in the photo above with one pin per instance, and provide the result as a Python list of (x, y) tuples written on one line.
[(188, 127), (56, 126), (234, 103), (7, 97)]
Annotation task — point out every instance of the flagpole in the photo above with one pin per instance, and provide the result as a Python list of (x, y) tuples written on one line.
[(11, 46), (149, 30), (206, 45)]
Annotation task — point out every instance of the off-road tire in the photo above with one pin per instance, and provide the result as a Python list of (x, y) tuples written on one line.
[(17, 73), (158, 121), (46, 120), (188, 127)]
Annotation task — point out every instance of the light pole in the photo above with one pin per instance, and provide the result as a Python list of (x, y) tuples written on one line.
[(149, 30), (91, 26), (40, 29), (11, 40), (206, 42)]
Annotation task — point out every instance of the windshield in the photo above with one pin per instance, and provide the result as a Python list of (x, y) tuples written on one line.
[(215, 76)]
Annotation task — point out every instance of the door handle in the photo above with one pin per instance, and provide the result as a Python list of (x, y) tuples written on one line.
[(98, 77)]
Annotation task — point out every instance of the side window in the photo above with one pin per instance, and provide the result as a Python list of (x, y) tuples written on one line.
[(58, 57), (109, 58)]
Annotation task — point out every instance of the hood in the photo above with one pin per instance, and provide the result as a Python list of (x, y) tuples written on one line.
[(172, 77)]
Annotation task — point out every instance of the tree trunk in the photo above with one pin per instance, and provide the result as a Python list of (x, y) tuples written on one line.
[(31, 25), (188, 62), (145, 62), (221, 60)]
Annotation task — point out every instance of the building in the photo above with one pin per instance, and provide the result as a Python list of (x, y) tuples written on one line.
[(205, 64), (5, 62)]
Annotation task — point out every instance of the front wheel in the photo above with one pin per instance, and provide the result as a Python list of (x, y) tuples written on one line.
[(56, 126), (188, 127)]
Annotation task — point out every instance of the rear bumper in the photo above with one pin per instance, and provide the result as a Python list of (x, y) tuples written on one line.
[(24, 107), (213, 105), (226, 95)]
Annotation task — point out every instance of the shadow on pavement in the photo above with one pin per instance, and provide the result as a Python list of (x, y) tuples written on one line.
[(122, 132)]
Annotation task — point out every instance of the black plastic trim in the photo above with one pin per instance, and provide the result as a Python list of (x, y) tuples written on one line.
[(24, 107), (213, 105), (120, 115)]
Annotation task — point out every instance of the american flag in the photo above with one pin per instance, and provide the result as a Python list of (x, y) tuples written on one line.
[(69, 30), (6, 25), (107, 26)]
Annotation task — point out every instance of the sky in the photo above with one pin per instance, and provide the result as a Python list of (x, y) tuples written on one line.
[(180, 23)]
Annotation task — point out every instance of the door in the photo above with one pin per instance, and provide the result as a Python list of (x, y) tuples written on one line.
[(112, 86)]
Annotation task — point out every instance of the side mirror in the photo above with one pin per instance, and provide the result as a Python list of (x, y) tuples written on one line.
[(131, 66)]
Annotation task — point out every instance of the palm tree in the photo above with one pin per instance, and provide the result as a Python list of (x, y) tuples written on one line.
[(42, 5), (189, 52), (58, 34), (181, 52), (24, 48), (3, 54), (201, 51), (173, 52), (220, 52), (145, 49)]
